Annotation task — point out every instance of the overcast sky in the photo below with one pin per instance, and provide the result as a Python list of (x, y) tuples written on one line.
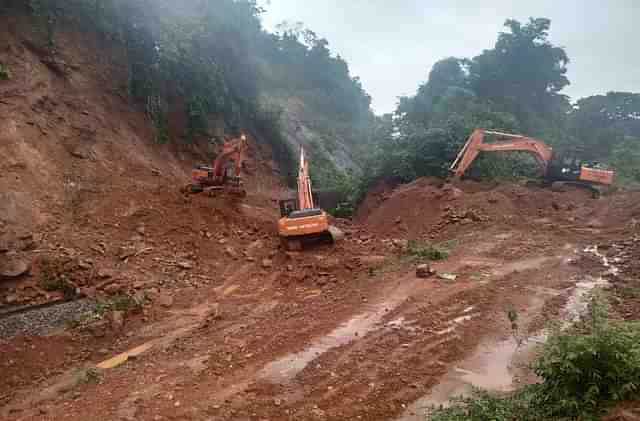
[(392, 44)]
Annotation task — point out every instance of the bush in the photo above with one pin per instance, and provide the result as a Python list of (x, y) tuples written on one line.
[(591, 366), (429, 251), (5, 74), (483, 406), (585, 370), (52, 279)]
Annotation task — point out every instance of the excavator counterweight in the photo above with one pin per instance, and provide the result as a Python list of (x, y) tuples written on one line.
[(301, 221)]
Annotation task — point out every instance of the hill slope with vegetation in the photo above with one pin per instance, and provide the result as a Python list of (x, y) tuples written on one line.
[(514, 87)]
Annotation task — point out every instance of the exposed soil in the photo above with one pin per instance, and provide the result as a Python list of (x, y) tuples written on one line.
[(229, 325)]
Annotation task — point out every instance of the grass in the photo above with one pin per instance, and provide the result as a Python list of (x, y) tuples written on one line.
[(52, 279), (585, 370), (427, 251), (122, 302)]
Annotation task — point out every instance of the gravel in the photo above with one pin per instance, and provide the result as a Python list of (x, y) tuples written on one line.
[(43, 320)]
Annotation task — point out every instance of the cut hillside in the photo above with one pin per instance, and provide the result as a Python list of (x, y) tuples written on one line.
[(68, 132)]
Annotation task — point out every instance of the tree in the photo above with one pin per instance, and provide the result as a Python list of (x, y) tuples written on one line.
[(523, 74)]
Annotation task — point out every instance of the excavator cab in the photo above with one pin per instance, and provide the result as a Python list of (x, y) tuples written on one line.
[(216, 178), (301, 221)]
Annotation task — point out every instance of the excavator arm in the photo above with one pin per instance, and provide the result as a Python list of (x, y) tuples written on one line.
[(232, 149), (504, 142), (305, 194)]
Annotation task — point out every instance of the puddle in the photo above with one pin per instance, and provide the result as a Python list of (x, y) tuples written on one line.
[(492, 365), (284, 369), (521, 265)]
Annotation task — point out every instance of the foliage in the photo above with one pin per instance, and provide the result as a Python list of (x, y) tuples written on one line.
[(5, 73), (625, 158), (52, 278), (584, 370), (514, 87), (429, 251), (482, 406), (212, 58), (595, 364)]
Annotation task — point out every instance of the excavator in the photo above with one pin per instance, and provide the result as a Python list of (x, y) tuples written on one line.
[(556, 170), (301, 221), (215, 179)]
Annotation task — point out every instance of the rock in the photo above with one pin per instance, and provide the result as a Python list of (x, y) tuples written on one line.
[(117, 320), (448, 276), (398, 220), (185, 265), (104, 274), (267, 263), (165, 300), (140, 230), (229, 251), (113, 288), (424, 271), (11, 299), (222, 241), (14, 268), (139, 284)]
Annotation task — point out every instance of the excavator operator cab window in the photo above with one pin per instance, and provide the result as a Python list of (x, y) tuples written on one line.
[(287, 207)]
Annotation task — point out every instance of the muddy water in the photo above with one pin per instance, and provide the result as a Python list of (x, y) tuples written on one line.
[(493, 365), (286, 368)]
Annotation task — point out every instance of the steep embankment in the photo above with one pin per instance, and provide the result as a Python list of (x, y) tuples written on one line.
[(68, 132)]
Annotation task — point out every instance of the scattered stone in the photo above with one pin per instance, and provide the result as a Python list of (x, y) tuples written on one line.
[(14, 268), (165, 300), (424, 271), (447, 276), (229, 251), (267, 263), (113, 288), (185, 265), (117, 320)]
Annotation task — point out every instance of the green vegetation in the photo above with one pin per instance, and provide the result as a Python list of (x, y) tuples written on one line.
[(5, 74), (53, 279), (428, 251), (584, 370), (212, 60), (513, 87)]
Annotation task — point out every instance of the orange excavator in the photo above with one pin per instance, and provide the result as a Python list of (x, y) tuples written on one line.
[(555, 169), (216, 178), (301, 221)]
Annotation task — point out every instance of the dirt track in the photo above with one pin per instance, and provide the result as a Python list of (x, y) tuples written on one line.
[(252, 332), (232, 327)]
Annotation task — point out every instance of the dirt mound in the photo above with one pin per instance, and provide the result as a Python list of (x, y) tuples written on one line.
[(429, 208)]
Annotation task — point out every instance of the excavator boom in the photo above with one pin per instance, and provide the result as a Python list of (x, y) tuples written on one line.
[(300, 219), (504, 142), (215, 178), (553, 169)]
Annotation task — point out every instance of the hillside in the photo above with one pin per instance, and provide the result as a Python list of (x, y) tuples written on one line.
[(123, 298)]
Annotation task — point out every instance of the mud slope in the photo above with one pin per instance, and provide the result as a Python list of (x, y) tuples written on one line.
[(67, 131)]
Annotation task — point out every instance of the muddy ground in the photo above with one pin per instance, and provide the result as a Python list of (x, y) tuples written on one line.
[(201, 316), (233, 327)]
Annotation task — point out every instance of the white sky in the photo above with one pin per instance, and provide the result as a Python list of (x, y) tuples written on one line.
[(392, 44)]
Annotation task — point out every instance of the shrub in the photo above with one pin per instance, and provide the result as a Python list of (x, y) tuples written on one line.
[(591, 366), (52, 279), (429, 251), (585, 370), (483, 406), (5, 74)]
